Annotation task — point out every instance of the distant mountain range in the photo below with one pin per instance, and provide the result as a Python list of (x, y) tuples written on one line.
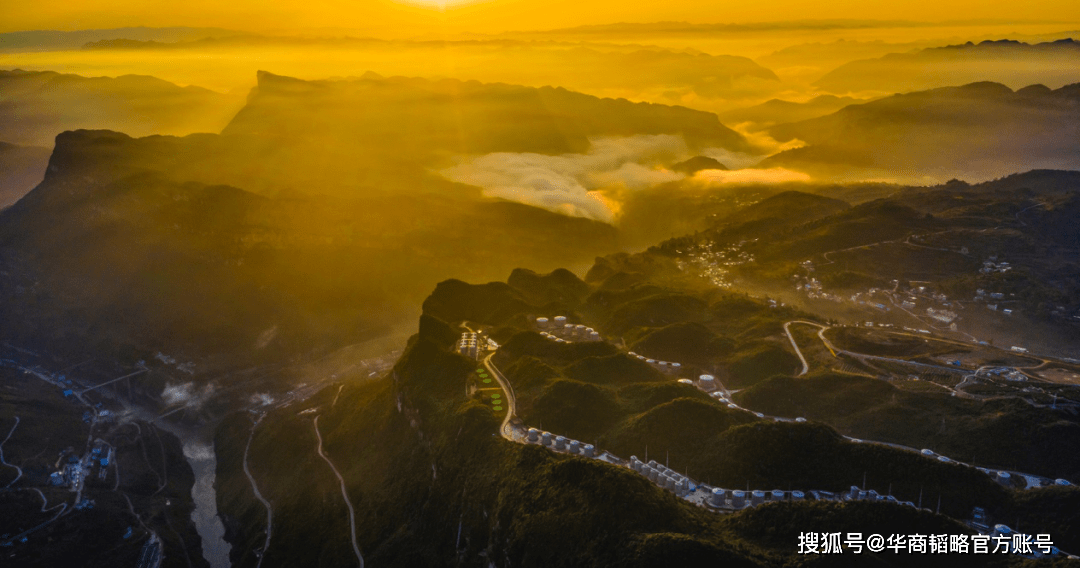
[(659, 74), (777, 111), (464, 116), (366, 127), (52, 40), (35, 106), (1011, 62), (660, 28), (828, 55), (977, 131)]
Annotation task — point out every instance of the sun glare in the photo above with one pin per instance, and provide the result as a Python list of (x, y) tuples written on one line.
[(439, 5)]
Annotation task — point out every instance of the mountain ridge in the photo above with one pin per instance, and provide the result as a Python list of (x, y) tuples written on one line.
[(976, 131), (1006, 61)]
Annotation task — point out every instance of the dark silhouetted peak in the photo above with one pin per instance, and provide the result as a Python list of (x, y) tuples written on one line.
[(1001, 43), (1004, 44), (269, 82), (80, 150), (76, 137), (1039, 181), (1071, 90), (985, 88), (560, 286), (698, 163), (1034, 90), (492, 303), (788, 206)]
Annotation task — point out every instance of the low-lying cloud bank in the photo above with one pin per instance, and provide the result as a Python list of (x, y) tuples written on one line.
[(563, 183), (591, 185)]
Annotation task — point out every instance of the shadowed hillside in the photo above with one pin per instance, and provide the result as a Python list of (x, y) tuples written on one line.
[(976, 132), (119, 247), (1011, 62), (35, 106)]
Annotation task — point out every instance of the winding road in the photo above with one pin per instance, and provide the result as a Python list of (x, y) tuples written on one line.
[(258, 495), (1031, 479), (821, 335), (344, 494), (791, 338), (507, 429), (45, 502)]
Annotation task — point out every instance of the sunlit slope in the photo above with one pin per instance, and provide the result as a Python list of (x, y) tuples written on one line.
[(458, 116), (357, 136), (379, 123), (1011, 62), (35, 106), (975, 132)]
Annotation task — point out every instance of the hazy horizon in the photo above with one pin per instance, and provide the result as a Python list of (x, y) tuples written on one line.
[(416, 282)]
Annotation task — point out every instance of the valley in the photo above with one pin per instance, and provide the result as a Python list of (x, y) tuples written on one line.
[(495, 284)]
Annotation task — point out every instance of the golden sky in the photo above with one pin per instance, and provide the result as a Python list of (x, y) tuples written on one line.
[(487, 16)]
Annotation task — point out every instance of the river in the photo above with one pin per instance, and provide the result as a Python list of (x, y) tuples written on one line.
[(199, 453), (198, 448), (204, 463)]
